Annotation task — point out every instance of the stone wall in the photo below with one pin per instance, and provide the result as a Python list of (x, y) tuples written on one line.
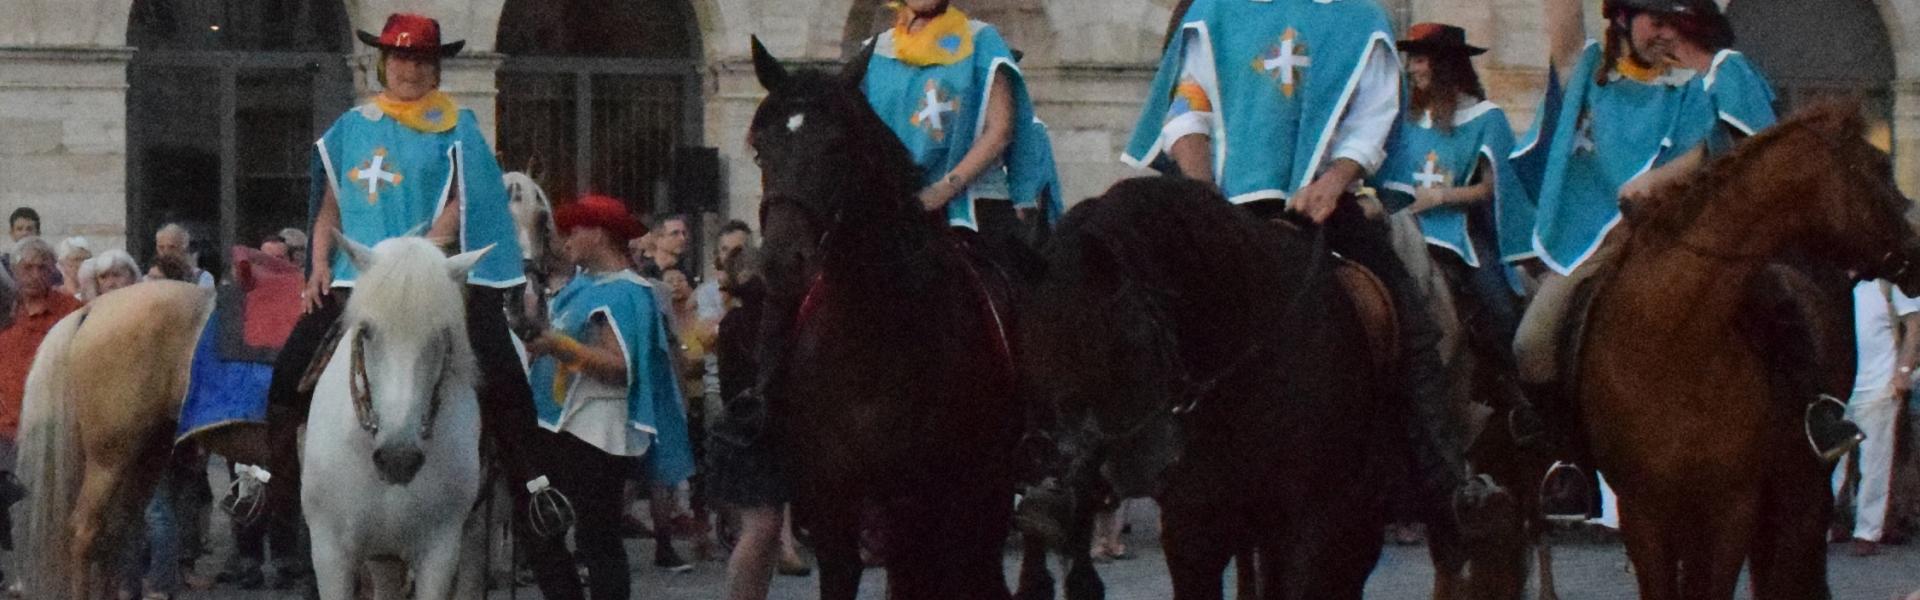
[(63, 124)]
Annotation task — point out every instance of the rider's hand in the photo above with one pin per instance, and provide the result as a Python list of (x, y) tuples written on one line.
[(1427, 198), (1902, 385), (1318, 200), (319, 284), (935, 197), (1637, 189)]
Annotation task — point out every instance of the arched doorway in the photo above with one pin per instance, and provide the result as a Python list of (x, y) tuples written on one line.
[(1813, 50), (601, 96), (225, 99)]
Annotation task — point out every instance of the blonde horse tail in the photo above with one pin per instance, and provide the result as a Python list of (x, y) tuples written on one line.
[(50, 466)]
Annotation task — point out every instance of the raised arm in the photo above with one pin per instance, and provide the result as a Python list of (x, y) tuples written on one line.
[(1566, 35)]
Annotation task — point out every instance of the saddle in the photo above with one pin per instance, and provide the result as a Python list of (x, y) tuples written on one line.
[(1373, 304)]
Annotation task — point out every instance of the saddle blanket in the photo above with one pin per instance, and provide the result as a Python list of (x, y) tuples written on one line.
[(221, 392)]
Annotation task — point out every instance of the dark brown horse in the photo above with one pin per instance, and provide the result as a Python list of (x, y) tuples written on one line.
[(1206, 355), (1706, 453), (893, 386)]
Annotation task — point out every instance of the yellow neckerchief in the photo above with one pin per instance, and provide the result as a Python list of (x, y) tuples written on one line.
[(432, 113), (1631, 69), (946, 39)]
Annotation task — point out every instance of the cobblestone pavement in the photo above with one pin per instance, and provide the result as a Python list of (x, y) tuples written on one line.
[(1585, 570)]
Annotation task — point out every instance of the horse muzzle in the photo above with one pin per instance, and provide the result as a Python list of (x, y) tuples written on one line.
[(398, 465)]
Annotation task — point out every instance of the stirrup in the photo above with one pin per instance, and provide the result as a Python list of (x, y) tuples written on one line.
[(1563, 469), (1840, 448), (246, 496), (549, 513)]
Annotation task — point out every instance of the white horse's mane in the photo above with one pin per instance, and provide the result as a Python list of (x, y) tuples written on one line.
[(409, 294)]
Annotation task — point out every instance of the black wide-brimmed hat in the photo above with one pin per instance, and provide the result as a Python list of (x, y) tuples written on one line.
[(1438, 39), (411, 34)]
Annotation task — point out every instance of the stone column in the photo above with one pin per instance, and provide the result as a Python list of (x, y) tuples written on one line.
[(63, 139)]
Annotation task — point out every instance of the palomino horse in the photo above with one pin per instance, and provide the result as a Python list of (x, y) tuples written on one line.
[(392, 454), (1709, 460), (94, 439), (895, 387), (1209, 355)]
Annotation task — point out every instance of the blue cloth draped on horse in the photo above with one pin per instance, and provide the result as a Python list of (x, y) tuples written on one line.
[(233, 359)]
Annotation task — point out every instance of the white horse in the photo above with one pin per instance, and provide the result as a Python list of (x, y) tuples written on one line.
[(392, 453)]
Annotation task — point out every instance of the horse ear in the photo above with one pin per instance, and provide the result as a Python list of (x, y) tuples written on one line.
[(772, 76), (459, 264), (360, 256), (855, 72)]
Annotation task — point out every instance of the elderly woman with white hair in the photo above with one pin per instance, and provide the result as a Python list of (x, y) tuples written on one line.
[(111, 270), (71, 253)]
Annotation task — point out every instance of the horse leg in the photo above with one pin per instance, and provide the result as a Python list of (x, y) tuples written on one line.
[(1448, 552), (1082, 581), (335, 564), (1198, 544), (1655, 559), (1036, 583), (1789, 549), (837, 546), (438, 565)]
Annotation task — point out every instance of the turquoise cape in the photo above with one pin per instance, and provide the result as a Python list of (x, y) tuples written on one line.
[(1602, 137), (1287, 70), (626, 302), (939, 110), (391, 181), (1420, 155)]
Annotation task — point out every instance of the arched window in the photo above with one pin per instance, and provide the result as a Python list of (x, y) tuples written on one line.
[(225, 99), (599, 95), (1812, 50)]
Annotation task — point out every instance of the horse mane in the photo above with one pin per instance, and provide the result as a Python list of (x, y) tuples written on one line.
[(408, 293), (880, 159), (1674, 208)]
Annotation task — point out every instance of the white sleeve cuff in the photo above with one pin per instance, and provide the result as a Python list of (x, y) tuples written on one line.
[(1193, 123), (1367, 156)]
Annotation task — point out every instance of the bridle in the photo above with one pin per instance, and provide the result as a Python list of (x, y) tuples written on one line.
[(1190, 391), (360, 386)]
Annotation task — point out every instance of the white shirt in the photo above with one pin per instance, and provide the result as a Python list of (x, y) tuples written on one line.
[(1362, 133), (1874, 328)]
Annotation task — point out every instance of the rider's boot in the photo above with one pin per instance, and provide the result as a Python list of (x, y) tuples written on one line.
[(1564, 492)]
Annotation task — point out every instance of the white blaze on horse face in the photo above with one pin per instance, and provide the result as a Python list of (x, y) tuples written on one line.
[(794, 122)]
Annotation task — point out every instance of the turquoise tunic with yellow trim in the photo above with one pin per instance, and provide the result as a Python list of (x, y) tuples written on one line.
[(626, 302), (391, 180), (1421, 155), (939, 110)]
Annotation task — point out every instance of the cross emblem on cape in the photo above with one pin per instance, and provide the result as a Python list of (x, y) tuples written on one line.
[(1430, 176), (373, 172), (1286, 61), (933, 112)]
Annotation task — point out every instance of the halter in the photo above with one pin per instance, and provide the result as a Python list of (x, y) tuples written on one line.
[(361, 389)]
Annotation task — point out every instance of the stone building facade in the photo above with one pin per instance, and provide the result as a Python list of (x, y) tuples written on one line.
[(116, 116)]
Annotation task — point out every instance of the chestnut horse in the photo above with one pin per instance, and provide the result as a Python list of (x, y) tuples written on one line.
[(1708, 457), (102, 405)]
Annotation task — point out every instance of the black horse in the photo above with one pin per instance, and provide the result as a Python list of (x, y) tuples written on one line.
[(1210, 355), (893, 388)]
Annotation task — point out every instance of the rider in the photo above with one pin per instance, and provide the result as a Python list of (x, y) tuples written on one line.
[(1636, 116), (603, 386), (411, 161), (950, 88), (1445, 162), (1296, 132)]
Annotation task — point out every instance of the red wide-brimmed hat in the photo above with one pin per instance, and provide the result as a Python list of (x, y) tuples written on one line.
[(599, 211), (413, 34), (1438, 39)]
